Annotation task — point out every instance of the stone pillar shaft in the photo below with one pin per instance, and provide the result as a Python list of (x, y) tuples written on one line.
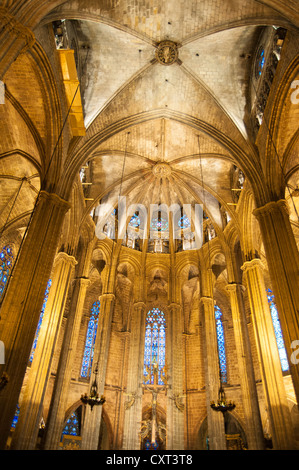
[(254, 431), (283, 264), (133, 406), (58, 405), (92, 422), (275, 395), (175, 416), (216, 430), (23, 301), (31, 408)]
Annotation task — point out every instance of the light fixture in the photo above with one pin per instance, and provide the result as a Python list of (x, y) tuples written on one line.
[(93, 399), (222, 405)]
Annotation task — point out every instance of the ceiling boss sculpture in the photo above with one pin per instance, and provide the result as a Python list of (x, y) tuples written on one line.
[(167, 52), (161, 170)]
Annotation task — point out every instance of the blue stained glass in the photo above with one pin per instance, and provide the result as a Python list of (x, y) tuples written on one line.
[(278, 333), (40, 320), (221, 344), (135, 221), (154, 350), (90, 340), (184, 222), (261, 61), (6, 257), (72, 426), (151, 445), (159, 224), (15, 418)]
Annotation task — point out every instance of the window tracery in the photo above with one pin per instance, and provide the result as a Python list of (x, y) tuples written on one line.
[(40, 320), (154, 350), (90, 340), (278, 332), (221, 344), (6, 262)]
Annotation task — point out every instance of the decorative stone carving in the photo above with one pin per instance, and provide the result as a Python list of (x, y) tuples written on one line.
[(161, 170), (167, 53)]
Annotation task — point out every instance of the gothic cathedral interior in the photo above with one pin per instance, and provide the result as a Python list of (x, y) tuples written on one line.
[(149, 228)]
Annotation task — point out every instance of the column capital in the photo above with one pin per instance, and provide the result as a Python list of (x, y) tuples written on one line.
[(62, 256), (207, 301), (106, 296), (81, 280), (232, 287), (280, 205), (57, 200), (139, 304), (255, 262), (174, 305)]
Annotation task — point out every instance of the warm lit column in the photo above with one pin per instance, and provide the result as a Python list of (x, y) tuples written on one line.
[(31, 408), (216, 430), (56, 416), (254, 431), (274, 390), (23, 301), (92, 422), (133, 403), (175, 402), (283, 264)]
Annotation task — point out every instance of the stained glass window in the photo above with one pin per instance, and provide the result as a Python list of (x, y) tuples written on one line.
[(6, 262), (221, 344), (135, 221), (159, 223), (148, 445), (40, 321), (278, 332), (184, 222), (15, 418), (154, 351), (90, 340), (260, 62), (72, 426)]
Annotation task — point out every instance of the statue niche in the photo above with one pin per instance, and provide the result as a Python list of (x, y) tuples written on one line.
[(190, 298), (124, 295), (158, 286)]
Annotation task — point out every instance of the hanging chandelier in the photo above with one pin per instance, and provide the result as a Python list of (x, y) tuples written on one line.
[(93, 399), (222, 405)]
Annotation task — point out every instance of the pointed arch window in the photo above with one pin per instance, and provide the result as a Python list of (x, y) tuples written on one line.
[(73, 425), (154, 351), (40, 321), (90, 340), (221, 344), (278, 333), (6, 262)]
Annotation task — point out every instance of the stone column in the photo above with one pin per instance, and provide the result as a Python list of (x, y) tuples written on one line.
[(92, 421), (56, 416), (24, 297), (175, 403), (274, 390), (216, 430), (283, 264), (133, 404), (254, 430), (31, 408)]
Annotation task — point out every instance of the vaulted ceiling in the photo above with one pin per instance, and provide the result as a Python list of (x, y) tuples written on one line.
[(192, 114)]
